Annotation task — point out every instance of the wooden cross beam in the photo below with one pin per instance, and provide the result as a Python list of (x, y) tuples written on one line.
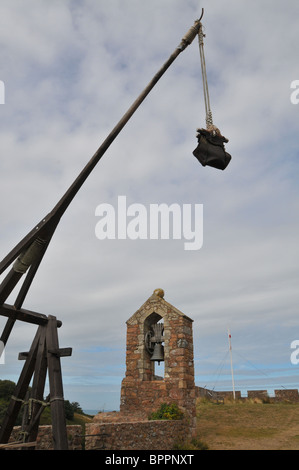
[(24, 315)]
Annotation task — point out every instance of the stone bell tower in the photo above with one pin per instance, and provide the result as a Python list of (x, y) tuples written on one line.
[(158, 333)]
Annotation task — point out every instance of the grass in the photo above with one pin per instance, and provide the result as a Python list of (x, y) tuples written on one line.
[(247, 425)]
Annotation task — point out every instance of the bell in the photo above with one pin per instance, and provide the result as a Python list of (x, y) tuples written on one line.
[(158, 354)]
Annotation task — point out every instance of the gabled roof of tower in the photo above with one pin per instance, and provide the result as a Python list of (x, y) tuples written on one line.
[(156, 303)]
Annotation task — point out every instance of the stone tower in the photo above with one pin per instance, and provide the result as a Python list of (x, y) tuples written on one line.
[(142, 390)]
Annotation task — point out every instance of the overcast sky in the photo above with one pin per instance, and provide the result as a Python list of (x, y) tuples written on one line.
[(71, 68)]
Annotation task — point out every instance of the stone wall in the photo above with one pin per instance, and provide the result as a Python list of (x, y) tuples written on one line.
[(45, 441), (215, 395), (135, 435), (291, 395), (116, 432), (260, 394)]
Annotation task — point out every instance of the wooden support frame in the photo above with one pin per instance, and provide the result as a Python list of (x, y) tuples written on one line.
[(56, 387), (43, 356)]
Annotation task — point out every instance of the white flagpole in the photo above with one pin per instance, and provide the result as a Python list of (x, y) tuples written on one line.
[(231, 362)]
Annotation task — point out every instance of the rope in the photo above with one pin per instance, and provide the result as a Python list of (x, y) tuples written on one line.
[(24, 434), (56, 398), (30, 401), (209, 118)]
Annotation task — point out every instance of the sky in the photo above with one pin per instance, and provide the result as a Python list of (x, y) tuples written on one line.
[(70, 69)]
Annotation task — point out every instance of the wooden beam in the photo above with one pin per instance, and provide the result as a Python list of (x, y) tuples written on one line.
[(37, 391), (17, 444), (61, 352), (56, 388), (25, 315)]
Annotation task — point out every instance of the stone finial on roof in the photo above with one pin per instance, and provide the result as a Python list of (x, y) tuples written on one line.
[(159, 293)]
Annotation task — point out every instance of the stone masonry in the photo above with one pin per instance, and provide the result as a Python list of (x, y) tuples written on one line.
[(142, 391)]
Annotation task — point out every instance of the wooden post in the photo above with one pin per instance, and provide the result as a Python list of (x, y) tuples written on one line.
[(56, 387), (38, 386), (20, 391)]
